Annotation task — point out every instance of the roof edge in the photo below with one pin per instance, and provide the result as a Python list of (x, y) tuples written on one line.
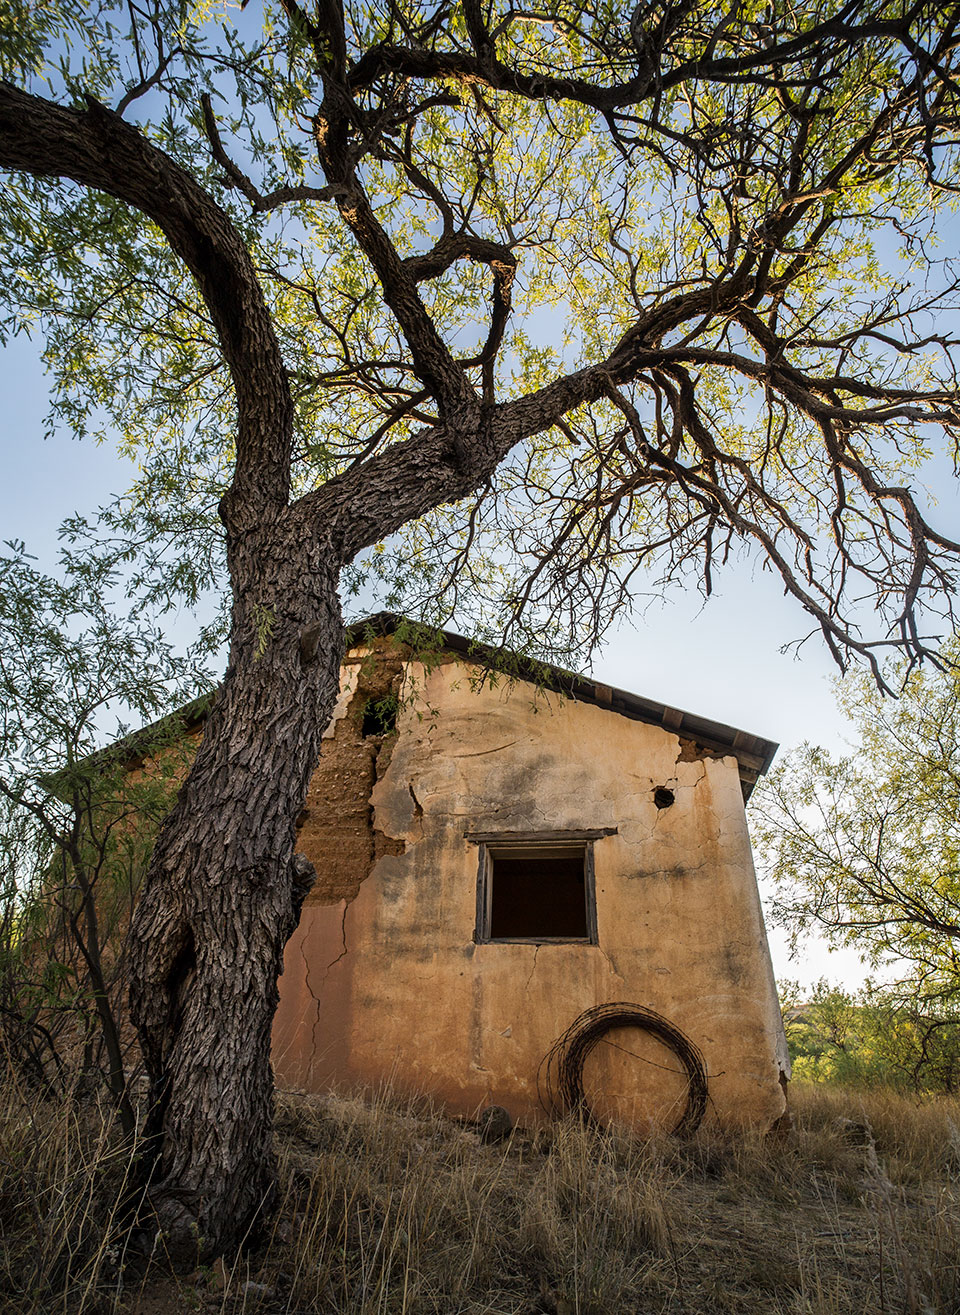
[(753, 753)]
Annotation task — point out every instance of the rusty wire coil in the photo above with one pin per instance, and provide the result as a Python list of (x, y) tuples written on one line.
[(560, 1077)]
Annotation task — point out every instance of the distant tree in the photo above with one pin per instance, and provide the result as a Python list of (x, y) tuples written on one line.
[(870, 1038), (865, 848), (600, 293)]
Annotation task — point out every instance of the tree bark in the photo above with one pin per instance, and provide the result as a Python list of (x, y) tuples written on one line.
[(221, 898), (223, 891)]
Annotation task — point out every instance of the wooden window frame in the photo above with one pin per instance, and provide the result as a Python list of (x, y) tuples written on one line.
[(544, 843)]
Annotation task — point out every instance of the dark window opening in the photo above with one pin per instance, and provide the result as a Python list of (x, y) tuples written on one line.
[(533, 892), (380, 716)]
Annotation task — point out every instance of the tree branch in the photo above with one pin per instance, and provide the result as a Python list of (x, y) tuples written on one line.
[(98, 149), (235, 177)]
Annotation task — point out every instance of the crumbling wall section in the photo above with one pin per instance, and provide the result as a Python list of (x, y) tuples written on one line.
[(335, 830)]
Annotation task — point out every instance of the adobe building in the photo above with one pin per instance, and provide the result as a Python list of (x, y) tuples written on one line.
[(532, 892)]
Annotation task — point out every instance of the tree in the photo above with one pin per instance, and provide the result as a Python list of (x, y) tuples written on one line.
[(866, 847), (300, 264), (872, 1038), (76, 826)]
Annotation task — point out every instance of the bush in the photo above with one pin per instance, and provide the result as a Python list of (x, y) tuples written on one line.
[(874, 1038)]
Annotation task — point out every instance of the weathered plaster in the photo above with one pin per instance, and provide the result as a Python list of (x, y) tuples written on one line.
[(383, 978)]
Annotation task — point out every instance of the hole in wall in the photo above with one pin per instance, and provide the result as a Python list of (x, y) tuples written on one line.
[(379, 716), (663, 797)]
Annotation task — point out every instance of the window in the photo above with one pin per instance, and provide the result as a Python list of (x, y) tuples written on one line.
[(536, 888)]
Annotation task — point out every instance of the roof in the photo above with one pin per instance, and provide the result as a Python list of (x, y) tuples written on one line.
[(753, 753)]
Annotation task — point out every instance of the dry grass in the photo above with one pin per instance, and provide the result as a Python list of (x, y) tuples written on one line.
[(390, 1209), (63, 1176)]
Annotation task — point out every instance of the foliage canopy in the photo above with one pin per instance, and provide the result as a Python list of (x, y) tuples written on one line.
[(730, 217), (870, 1038)]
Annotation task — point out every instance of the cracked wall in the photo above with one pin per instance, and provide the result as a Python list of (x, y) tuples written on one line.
[(336, 829), (383, 978)]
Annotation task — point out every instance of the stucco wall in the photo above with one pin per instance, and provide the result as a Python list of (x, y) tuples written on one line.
[(383, 979)]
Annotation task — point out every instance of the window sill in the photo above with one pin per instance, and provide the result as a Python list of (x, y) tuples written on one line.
[(536, 940)]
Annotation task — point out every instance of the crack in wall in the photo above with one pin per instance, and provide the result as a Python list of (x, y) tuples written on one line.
[(679, 870), (482, 753), (343, 942), (326, 973), (417, 809), (611, 963), (316, 998), (533, 969)]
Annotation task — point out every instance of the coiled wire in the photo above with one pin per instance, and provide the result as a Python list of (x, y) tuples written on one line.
[(560, 1076)]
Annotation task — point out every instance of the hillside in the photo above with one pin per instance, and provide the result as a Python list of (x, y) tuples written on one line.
[(389, 1207)]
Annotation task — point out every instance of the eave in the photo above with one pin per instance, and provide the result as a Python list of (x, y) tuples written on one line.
[(753, 753)]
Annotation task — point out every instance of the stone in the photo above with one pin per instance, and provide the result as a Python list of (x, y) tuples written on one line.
[(494, 1124)]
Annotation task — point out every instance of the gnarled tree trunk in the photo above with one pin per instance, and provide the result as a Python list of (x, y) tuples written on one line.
[(221, 898)]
